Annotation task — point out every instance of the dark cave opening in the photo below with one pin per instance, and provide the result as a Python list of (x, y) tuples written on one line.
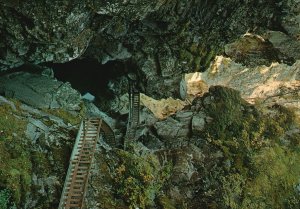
[(88, 75)]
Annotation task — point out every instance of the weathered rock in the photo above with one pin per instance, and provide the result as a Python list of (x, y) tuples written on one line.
[(174, 36), (287, 45), (252, 50), (121, 104), (171, 131), (40, 91), (164, 107), (3, 100), (275, 84), (291, 21), (191, 86), (198, 122)]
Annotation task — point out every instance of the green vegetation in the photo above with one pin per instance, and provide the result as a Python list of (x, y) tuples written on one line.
[(15, 173), (277, 173), (20, 158), (4, 199), (67, 116), (198, 57), (261, 164), (139, 179)]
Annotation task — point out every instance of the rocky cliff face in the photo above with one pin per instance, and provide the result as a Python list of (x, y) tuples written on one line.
[(164, 38), (231, 141)]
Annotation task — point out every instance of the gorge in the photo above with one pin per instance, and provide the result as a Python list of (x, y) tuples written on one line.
[(220, 97)]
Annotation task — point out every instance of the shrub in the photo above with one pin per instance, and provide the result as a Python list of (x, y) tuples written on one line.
[(4, 198), (139, 179)]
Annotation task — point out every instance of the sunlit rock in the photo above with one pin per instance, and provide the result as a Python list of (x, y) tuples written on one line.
[(164, 107), (277, 83)]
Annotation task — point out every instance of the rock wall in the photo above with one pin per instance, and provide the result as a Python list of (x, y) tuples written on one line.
[(233, 146), (164, 38)]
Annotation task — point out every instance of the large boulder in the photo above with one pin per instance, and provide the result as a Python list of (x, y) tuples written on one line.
[(40, 91)]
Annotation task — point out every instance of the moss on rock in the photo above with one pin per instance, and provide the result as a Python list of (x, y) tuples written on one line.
[(15, 164)]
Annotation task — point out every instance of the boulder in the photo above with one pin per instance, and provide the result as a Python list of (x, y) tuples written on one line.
[(40, 91), (164, 107)]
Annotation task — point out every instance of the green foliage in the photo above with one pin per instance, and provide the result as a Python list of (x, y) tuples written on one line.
[(263, 162), (166, 203), (232, 189), (9, 123), (139, 179), (15, 172), (277, 173), (67, 116), (4, 198), (198, 57)]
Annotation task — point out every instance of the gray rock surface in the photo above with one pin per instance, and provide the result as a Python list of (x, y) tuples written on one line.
[(40, 91), (3, 100)]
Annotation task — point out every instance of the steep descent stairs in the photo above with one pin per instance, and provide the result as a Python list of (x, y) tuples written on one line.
[(80, 163), (134, 114)]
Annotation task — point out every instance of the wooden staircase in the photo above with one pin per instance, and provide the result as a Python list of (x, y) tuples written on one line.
[(80, 163), (134, 115), (76, 182)]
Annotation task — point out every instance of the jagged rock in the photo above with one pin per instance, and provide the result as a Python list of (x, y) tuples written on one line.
[(191, 86), (121, 104), (291, 22), (171, 129), (198, 122), (252, 50), (89, 97), (174, 36), (275, 84), (40, 91), (162, 108), (287, 45)]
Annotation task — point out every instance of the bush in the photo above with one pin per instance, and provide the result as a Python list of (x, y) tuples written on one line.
[(15, 165), (4, 199), (262, 166), (139, 179)]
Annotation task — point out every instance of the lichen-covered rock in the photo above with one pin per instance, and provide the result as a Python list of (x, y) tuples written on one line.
[(291, 21), (252, 50), (46, 31), (287, 45)]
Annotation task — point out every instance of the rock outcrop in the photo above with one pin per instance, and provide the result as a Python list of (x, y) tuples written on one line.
[(274, 84)]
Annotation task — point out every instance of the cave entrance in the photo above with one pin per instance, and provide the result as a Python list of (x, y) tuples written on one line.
[(88, 75)]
